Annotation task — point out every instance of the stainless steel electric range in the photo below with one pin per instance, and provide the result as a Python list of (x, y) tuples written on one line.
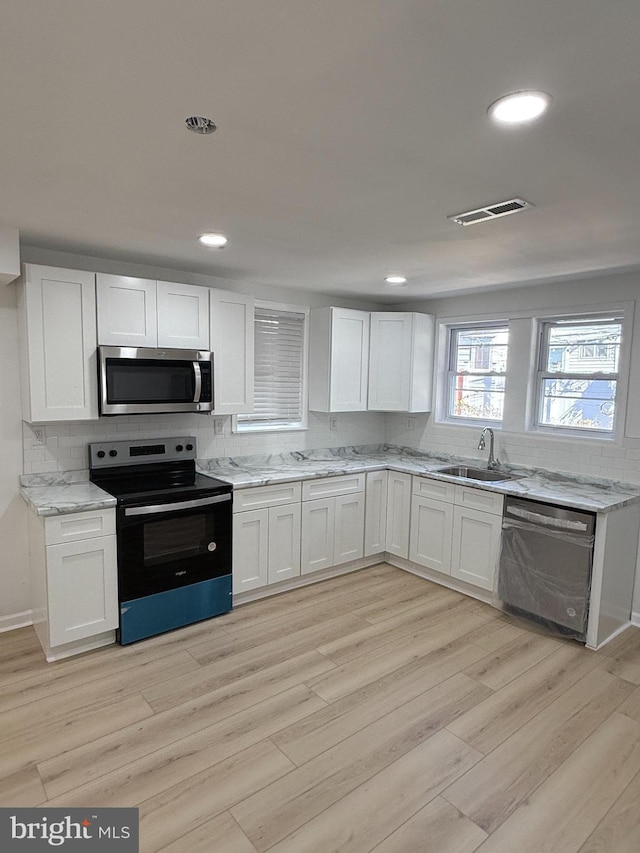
[(173, 532)]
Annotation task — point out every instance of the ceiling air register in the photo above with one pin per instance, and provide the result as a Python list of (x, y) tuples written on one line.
[(492, 211)]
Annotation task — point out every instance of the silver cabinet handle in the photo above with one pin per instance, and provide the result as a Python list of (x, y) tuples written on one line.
[(174, 507)]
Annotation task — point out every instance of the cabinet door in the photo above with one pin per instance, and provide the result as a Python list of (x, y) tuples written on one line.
[(390, 361), (57, 311), (475, 546), (183, 315), (232, 342), (349, 528), (430, 540), (401, 361), (284, 542), (126, 311), (398, 507), (318, 524), (349, 360), (83, 589), (375, 518), (250, 549)]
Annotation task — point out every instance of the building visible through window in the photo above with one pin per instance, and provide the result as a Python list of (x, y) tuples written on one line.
[(477, 369), (578, 373)]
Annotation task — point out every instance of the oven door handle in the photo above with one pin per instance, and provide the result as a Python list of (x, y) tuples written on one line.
[(198, 382), (173, 507)]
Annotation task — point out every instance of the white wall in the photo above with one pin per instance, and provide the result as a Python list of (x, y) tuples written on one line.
[(14, 557)]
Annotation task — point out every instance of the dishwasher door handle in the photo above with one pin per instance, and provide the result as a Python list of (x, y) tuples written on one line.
[(540, 520)]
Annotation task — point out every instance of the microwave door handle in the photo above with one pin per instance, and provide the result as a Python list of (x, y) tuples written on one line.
[(198, 383)]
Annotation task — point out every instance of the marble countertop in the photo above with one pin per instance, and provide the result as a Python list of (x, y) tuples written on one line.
[(578, 492), (71, 491), (61, 493)]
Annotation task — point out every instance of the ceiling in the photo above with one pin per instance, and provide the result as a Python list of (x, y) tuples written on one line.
[(347, 133)]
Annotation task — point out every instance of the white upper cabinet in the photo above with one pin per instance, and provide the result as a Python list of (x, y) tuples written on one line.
[(400, 361), (232, 343), (380, 361), (338, 360), (137, 312), (127, 315), (9, 254), (57, 321), (183, 316)]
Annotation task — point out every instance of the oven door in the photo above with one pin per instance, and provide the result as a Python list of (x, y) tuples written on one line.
[(165, 546)]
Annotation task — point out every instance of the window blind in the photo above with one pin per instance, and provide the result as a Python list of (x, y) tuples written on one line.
[(278, 388)]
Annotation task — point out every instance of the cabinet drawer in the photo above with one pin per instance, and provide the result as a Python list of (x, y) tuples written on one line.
[(262, 497), (331, 487), (79, 525), (436, 489), (479, 499)]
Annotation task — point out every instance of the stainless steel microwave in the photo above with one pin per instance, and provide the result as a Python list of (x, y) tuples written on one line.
[(143, 381)]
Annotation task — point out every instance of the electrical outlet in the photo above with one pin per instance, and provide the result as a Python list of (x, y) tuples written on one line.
[(333, 422), (218, 426), (39, 434)]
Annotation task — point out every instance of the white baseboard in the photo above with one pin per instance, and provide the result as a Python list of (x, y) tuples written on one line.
[(305, 580), (16, 620), (635, 619)]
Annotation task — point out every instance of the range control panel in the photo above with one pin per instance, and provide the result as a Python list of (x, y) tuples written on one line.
[(141, 451)]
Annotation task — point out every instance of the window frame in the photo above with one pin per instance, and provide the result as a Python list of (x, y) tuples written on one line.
[(453, 329), (545, 323), (239, 426)]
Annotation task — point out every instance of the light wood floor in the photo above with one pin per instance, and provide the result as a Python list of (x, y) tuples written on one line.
[(375, 711)]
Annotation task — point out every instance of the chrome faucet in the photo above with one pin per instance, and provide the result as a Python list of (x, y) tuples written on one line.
[(492, 463)]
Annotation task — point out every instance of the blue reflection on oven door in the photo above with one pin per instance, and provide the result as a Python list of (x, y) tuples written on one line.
[(164, 611)]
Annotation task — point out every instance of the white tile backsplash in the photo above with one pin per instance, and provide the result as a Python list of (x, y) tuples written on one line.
[(65, 448), (608, 460), (66, 443)]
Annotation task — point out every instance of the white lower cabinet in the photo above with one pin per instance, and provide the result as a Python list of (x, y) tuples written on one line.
[(333, 525), (266, 538), (318, 534), (375, 515), (398, 512), (431, 526), (250, 549), (349, 528), (475, 546), (74, 581), (458, 533), (284, 542)]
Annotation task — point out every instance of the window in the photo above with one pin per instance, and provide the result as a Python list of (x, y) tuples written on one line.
[(578, 373), (477, 368), (279, 397)]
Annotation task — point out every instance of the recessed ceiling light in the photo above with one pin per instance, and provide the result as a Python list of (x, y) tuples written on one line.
[(396, 280), (519, 107), (213, 241)]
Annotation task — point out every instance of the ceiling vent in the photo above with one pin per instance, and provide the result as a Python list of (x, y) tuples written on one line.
[(493, 211), (200, 124)]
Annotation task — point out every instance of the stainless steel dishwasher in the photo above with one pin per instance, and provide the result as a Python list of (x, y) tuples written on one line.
[(545, 564)]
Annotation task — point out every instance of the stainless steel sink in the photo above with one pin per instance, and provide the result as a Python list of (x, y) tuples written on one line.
[(475, 473)]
